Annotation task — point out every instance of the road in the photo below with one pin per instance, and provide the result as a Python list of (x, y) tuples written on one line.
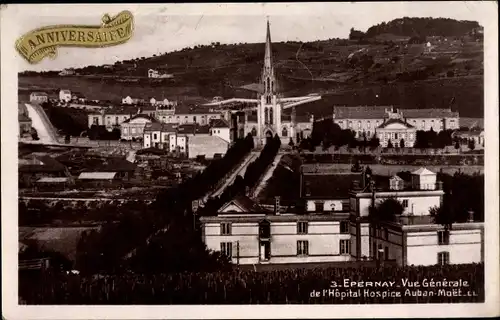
[(240, 171), (267, 175), (42, 125)]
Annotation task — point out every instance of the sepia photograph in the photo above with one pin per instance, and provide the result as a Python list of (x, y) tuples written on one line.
[(250, 154)]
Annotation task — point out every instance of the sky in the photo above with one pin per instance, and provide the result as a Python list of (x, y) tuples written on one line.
[(161, 28)]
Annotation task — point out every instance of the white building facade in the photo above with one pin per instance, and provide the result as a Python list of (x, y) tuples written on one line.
[(267, 237), (249, 234), (364, 120), (65, 95), (39, 97), (397, 133), (133, 128)]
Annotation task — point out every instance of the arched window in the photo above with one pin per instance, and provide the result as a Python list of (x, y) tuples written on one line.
[(271, 115), (272, 86), (254, 131), (266, 115), (268, 85), (284, 132)]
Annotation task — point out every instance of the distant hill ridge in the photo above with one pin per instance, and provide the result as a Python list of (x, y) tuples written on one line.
[(423, 27)]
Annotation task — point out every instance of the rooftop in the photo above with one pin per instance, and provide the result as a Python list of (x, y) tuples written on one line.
[(473, 133), (53, 180), (97, 175), (140, 115), (219, 123), (193, 129), (429, 113), (120, 110), (193, 110), (379, 112), (116, 165), (246, 204), (160, 126), (271, 217), (392, 121), (360, 112), (333, 186), (42, 163)]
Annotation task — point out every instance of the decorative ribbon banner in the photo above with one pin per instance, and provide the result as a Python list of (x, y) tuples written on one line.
[(40, 43)]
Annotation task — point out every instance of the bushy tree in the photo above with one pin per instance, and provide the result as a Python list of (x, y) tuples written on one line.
[(374, 141), (387, 210), (389, 144)]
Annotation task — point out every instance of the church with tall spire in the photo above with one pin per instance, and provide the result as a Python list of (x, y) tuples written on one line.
[(275, 115)]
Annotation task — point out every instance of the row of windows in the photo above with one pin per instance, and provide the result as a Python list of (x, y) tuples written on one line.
[(414, 122), (132, 130), (302, 227), (368, 123), (226, 248), (397, 136)]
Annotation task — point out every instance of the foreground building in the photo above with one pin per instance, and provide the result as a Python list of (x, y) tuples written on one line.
[(412, 238), (335, 229)]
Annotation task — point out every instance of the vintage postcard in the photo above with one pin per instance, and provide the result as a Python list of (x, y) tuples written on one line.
[(250, 160)]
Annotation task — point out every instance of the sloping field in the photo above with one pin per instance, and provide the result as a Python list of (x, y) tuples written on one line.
[(63, 240)]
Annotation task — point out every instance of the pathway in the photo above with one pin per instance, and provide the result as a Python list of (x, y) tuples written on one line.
[(41, 123), (267, 175), (239, 171)]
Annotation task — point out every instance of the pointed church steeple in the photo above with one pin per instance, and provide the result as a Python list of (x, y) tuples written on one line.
[(268, 62), (268, 77)]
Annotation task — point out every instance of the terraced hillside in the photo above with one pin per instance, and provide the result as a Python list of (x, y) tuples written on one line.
[(438, 72)]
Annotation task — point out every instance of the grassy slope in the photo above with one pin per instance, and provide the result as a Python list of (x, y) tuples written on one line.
[(206, 72)]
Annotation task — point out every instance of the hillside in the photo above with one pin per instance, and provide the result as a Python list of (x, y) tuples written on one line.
[(346, 72), (423, 27)]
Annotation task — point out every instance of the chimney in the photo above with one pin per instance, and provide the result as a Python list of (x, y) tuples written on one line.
[(277, 205), (471, 216)]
